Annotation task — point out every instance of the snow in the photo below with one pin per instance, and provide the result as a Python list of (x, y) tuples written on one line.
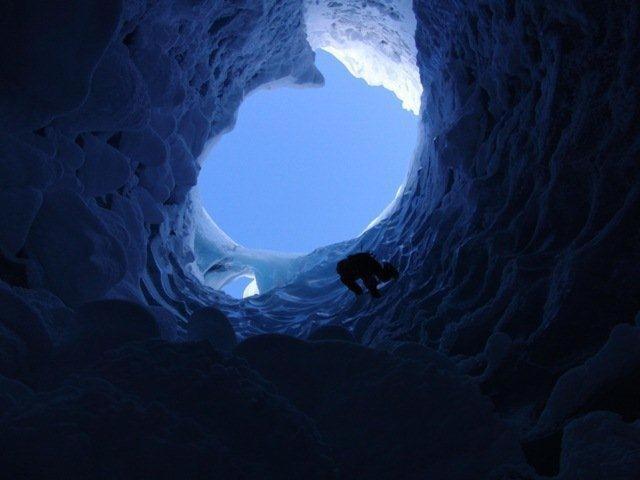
[(373, 39)]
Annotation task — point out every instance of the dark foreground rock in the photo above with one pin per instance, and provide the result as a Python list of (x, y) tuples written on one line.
[(212, 325), (151, 409), (331, 332), (106, 324), (385, 417)]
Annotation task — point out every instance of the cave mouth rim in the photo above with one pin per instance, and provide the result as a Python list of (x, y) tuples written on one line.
[(384, 212)]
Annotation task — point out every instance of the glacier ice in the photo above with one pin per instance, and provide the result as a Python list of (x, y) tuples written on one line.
[(515, 233), (373, 39)]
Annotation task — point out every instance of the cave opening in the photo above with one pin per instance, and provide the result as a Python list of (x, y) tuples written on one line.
[(304, 168), (351, 162), (243, 286)]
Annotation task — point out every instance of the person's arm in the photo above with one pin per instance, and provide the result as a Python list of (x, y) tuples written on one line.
[(371, 283)]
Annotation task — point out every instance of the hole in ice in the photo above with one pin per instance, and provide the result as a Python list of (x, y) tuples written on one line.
[(241, 287), (309, 167)]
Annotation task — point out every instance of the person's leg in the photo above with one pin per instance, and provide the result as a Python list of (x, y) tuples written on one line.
[(351, 284), (371, 283)]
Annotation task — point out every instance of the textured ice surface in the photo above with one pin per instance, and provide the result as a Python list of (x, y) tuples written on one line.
[(373, 39), (516, 234)]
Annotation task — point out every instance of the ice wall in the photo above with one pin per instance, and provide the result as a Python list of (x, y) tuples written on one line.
[(520, 214), (106, 108), (517, 232)]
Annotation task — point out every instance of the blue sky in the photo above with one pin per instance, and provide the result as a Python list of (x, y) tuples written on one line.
[(307, 167)]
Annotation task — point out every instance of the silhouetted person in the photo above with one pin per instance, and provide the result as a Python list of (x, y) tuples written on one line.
[(365, 266)]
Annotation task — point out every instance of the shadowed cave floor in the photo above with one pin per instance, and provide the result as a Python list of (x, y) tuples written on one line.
[(115, 401)]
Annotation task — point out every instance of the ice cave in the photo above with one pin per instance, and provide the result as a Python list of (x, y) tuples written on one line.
[(509, 346)]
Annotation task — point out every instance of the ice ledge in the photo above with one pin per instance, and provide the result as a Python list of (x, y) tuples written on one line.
[(374, 40)]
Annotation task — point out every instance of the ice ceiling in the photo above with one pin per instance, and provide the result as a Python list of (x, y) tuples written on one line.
[(374, 40)]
